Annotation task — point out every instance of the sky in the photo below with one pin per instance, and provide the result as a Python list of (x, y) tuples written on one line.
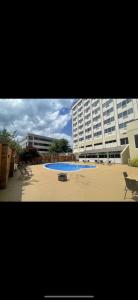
[(48, 117)]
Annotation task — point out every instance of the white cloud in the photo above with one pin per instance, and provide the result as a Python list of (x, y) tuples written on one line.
[(40, 116)]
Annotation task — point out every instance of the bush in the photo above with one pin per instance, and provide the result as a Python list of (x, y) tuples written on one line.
[(134, 162)]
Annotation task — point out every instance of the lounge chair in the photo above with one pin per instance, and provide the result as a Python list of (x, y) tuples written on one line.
[(23, 170), (125, 175), (132, 185), (101, 162), (26, 168)]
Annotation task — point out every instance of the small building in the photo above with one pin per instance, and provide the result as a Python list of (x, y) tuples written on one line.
[(119, 154), (40, 143), (114, 154), (105, 129)]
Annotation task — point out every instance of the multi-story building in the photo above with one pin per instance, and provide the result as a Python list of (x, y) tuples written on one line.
[(99, 127), (41, 143)]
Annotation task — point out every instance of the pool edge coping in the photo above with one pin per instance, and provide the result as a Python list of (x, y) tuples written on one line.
[(66, 171)]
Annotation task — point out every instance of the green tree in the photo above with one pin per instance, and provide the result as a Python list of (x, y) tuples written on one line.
[(60, 146), (64, 146), (6, 136), (54, 148), (15, 146), (9, 138)]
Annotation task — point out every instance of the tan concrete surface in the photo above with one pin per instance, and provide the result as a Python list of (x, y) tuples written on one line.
[(105, 183)]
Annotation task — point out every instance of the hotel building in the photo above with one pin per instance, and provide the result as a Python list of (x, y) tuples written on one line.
[(99, 128), (41, 143)]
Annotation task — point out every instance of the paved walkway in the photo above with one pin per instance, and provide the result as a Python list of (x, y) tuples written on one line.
[(105, 183)]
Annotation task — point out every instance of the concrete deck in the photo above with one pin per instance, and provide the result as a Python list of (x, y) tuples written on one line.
[(105, 183)]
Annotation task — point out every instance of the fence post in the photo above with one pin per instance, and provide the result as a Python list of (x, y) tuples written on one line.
[(5, 165), (12, 164)]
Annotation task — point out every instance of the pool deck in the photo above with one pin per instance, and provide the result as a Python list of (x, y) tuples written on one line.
[(105, 183)]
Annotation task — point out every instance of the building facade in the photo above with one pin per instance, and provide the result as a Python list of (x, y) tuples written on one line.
[(41, 143), (132, 130), (99, 127)]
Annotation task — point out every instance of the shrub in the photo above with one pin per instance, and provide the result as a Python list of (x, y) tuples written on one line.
[(134, 162)]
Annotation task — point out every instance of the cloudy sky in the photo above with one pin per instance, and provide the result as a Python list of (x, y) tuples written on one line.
[(49, 117)]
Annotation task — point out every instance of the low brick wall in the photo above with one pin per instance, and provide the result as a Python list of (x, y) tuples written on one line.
[(6, 164)]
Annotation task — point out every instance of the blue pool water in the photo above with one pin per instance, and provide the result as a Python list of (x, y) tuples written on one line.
[(67, 167)]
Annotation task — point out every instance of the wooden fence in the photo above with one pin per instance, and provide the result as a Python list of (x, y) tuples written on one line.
[(53, 158), (6, 164), (58, 158)]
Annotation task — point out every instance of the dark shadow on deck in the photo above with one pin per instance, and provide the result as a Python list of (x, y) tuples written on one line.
[(135, 198), (15, 188)]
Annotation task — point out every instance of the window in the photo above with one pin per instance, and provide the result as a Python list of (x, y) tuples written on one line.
[(123, 125), (108, 121), (107, 112), (109, 130), (45, 140), (30, 137), (88, 116), (45, 150), (89, 136), (125, 113), (109, 142), (97, 126), (88, 123), (86, 103), (40, 144), (96, 110), (136, 140), (106, 104), (87, 110), (124, 141), (130, 111), (124, 103), (80, 121), (97, 133), (114, 155), (88, 129), (80, 115), (95, 103), (81, 126), (96, 118), (98, 144), (103, 155), (81, 132), (117, 155), (88, 146), (90, 156)]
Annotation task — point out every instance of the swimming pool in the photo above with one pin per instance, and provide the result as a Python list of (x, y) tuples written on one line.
[(67, 167)]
